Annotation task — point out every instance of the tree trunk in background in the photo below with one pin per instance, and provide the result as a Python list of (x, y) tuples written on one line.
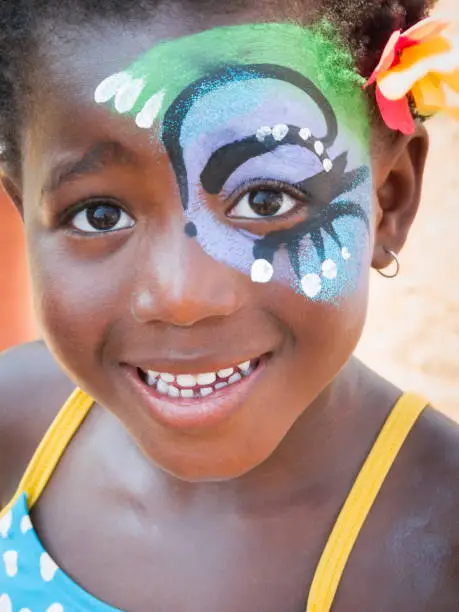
[(16, 318)]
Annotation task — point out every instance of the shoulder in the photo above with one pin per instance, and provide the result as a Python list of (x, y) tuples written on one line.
[(422, 497), (32, 390), (406, 553)]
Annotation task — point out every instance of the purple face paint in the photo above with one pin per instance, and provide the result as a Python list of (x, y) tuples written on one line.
[(326, 254)]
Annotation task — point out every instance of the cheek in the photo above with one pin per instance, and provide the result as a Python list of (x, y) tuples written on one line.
[(75, 299), (325, 265)]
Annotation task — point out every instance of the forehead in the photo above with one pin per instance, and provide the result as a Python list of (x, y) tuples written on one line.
[(184, 70), (201, 83)]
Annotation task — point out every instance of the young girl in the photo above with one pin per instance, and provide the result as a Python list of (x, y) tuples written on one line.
[(205, 187)]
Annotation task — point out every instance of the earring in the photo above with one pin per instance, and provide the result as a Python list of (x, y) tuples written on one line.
[(397, 264)]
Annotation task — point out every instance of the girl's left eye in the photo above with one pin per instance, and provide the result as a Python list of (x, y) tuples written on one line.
[(262, 204), (101, 218)]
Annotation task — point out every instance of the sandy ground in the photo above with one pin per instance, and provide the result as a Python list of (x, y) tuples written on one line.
[(412, 335)]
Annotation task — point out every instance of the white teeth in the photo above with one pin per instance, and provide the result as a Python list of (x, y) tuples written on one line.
[(152, 377), (173, 392), (182, 385), (225, 373), (206, 379), (245, 367), (162, 387), (186, 380), (235, 378)]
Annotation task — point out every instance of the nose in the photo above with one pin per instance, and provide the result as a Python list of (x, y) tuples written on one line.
[(179, 284)]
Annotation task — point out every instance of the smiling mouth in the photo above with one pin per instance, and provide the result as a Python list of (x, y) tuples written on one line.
[(197, 386)]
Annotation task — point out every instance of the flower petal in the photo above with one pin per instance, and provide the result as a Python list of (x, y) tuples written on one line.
[(387, 58), (451, 101), (425, 29), (429, 95), (435, 55), (452, 80), (396, 113)]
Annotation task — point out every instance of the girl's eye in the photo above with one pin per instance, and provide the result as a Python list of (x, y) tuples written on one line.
[(99, 218), (263, 203)]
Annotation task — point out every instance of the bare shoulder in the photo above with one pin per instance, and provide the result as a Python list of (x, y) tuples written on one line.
[(32, 390), (418, 516)]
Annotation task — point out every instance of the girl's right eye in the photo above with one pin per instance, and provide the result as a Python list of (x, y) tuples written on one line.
[(101, 217)]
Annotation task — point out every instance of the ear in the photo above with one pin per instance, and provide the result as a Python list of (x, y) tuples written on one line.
[(13, 191), (398, 175)]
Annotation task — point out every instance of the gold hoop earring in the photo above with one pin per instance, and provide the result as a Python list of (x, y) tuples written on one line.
[(397, 264)]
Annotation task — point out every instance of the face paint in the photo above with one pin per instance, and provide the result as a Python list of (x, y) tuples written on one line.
[(235, 106)]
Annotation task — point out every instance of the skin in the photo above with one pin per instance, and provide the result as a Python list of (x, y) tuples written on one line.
[(249, 495)]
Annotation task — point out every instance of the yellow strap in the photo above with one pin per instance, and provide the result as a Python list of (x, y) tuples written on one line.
[(360, 500), (51, 448)]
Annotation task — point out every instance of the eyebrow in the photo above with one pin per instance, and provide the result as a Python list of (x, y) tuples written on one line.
[(98, 157)]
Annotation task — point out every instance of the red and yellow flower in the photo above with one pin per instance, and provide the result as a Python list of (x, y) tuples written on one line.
[(421, 64)]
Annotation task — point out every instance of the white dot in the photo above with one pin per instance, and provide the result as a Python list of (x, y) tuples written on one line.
[(26, 524), (5, 603), (109, 86), (312, 285), (328, 165), (10, 559), (345, 253), (148, 114), (263, 133), (48, 567), (5, 524), (329, 269), (305, 133), (128, 94), (24, 610), (262, 271), (319, 147), (55, 607), (280, 132)]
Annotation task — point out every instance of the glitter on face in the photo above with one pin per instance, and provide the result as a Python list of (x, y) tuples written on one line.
[(266, 107)]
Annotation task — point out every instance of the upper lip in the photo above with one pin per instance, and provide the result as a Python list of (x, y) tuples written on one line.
[(191, 366)]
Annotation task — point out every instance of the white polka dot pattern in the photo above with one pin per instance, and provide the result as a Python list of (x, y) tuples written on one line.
[(30, 580)]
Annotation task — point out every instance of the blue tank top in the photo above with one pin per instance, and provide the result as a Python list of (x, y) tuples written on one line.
[(30, 581)]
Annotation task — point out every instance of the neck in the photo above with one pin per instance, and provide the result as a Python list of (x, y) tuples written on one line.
[(321, 454)]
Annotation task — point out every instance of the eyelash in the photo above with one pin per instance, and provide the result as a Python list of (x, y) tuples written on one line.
[(67, 216), (270, 185)]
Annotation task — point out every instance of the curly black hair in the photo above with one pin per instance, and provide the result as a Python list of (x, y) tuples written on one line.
[(365, 24)]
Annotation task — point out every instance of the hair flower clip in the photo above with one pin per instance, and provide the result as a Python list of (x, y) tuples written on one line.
[(420, 65)]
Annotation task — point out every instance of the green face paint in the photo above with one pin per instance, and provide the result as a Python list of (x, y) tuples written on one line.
[(148, 87), (270, 101)]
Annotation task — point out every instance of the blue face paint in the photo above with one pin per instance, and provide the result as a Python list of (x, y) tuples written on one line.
[(326, 250), (236, 108)]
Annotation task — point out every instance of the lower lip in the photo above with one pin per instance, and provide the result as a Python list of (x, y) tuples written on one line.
[(199, 413)]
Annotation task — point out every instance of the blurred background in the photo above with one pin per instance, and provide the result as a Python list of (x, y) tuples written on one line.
[(412, 334)]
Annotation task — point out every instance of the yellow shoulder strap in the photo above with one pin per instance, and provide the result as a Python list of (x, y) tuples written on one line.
[(360, 500), (51, 448)]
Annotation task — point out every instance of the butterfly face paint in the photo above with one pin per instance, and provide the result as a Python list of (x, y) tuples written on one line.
[(271, 116)]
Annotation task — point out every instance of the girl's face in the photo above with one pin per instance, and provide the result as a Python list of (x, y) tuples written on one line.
[(199, 219)]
